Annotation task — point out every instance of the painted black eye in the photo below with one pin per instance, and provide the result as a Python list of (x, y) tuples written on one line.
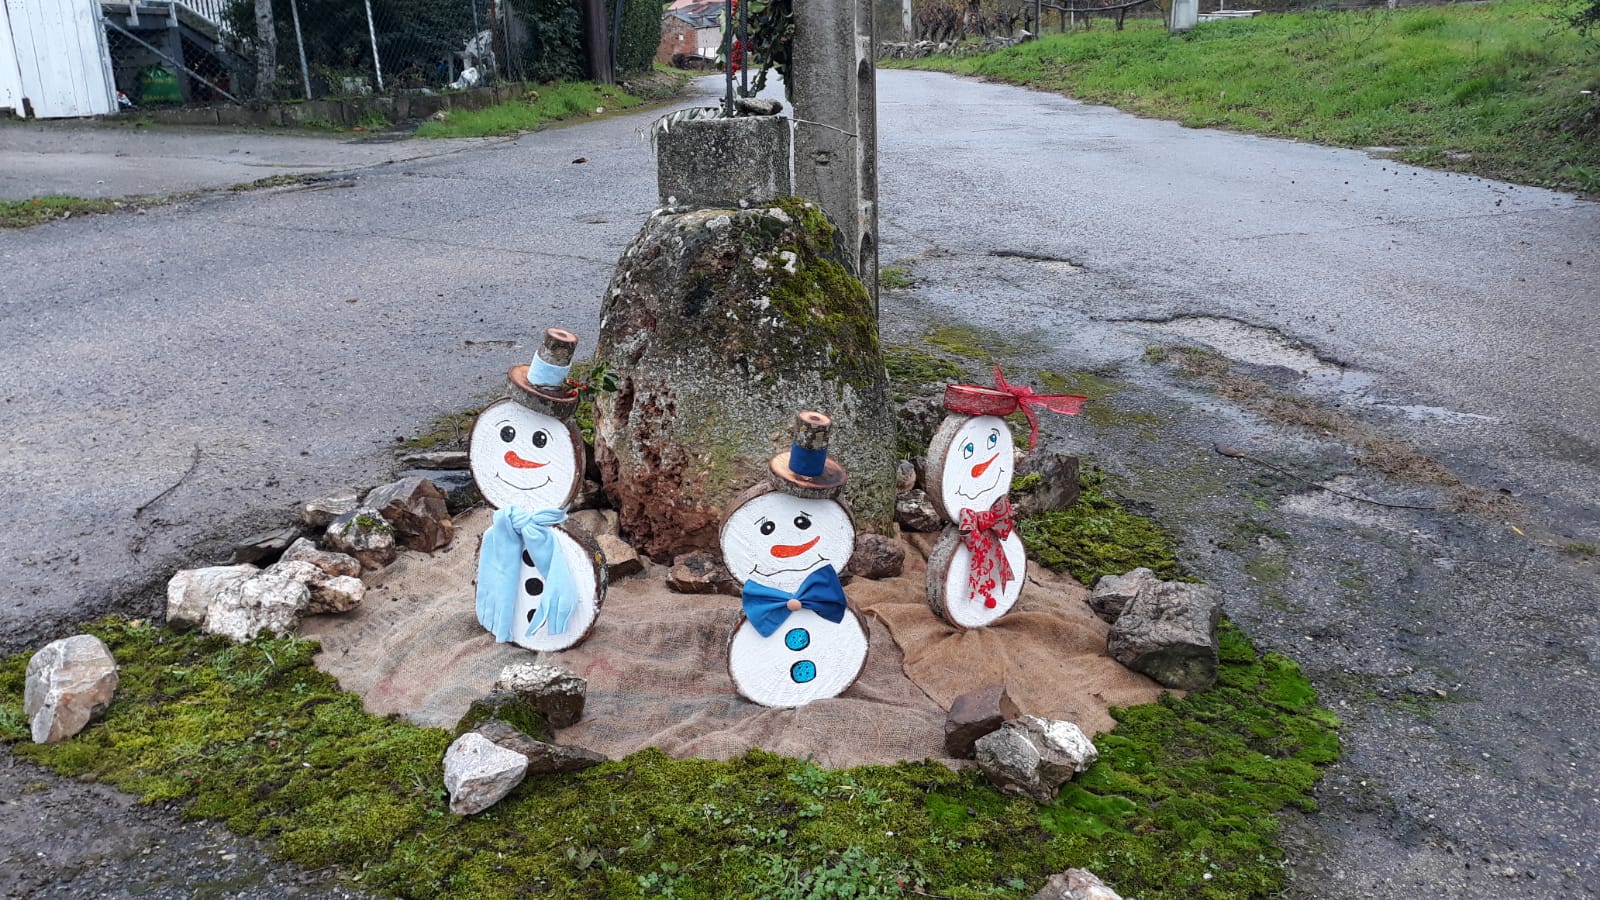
[(526, 559), (534, 586), (769, 527), (994, 438), (802, 521), (540, 438), (508, 434)]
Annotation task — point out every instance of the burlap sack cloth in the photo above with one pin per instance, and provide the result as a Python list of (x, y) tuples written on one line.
[(657, 663)]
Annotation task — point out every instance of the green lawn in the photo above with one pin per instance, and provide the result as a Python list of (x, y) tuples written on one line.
[(38, 210), (1492, 89), (544, 104)]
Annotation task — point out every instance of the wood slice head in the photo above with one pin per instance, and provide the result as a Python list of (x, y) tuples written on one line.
[(777, 538), (525, 458), (807, 470), (970, 464)]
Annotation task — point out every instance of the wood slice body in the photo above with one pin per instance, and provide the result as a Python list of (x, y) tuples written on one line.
[(949, 591), (515, 480), (587, 565), (970, 462), (808, 658)]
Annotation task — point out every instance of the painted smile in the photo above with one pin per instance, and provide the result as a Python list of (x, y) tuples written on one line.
[(961, 491), (517, 462), (789, 551), (522, 487), (757, 570)]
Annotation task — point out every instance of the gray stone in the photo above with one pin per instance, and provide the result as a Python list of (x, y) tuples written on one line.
[(265, 546), (915, 512), (975, 714), (329, 593), (1169, 632), (723, 162), (905, 477), (920, 464), (543, 758), (554, 691), (701, 573), (1033, 757), (596, 521), (1075, 884), (319, 513), (191, 592), (435, 459), (331, 564), (69, 684), (418, 511), (1113, 593), (876, 556), (695, 421), (478, 773), (365, 535), (916, 419), (265, 602), (590, 496), (460, 491), (1058, 482), (621, 559)]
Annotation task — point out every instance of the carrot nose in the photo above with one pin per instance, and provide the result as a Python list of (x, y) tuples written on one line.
[(517, 462), (979, 469), (785, 551)]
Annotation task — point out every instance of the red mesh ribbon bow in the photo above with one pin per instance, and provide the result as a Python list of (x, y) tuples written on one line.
[(983, 533), (1004, 399)]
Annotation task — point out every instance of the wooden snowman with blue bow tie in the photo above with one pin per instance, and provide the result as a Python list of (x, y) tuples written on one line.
[(541, 579), (787, 541)]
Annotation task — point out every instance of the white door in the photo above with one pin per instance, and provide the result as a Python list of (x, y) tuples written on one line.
[(10, 72), (61, 55)]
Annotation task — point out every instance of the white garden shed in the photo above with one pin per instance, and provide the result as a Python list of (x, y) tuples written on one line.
[(53, 59)]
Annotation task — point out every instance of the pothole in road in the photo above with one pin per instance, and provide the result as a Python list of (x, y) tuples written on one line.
[(1055, 264), (1255, 345)]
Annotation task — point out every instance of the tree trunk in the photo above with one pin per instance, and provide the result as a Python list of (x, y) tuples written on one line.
[(266, 50)]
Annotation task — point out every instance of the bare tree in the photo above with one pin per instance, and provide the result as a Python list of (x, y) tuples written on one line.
[(266, 50)]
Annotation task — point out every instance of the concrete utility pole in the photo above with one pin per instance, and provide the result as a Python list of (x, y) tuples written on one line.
[(836, 124)]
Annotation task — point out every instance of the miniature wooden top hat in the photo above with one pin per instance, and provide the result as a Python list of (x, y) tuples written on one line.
[(542, 384), (806, 471)]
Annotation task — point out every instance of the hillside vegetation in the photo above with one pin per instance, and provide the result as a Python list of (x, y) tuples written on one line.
[(1494, 89)]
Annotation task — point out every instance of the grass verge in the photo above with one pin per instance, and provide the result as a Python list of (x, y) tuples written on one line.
[(1490, 88), (1180, 804), (545, 104), (38, 210)]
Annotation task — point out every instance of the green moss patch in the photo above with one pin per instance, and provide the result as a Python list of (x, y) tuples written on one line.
[(1179, 806), (449, 431), (1096, 536), (38, 210), (913, 370)]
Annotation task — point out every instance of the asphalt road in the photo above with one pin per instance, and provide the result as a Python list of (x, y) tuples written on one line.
[(179, 378)]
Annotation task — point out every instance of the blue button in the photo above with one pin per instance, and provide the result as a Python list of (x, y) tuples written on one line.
[(803, 671), (797, 639)]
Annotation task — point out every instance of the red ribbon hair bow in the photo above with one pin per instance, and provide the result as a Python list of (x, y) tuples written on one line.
[(1004, 399)]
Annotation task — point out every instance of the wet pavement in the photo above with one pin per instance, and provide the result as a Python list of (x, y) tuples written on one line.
[(283, 339)]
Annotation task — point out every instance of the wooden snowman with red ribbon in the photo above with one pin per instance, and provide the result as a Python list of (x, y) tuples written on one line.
[(786, 541), (541, 579), (975, 571)]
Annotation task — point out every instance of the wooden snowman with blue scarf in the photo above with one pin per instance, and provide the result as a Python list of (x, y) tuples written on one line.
[(541, 579), (786, 541)]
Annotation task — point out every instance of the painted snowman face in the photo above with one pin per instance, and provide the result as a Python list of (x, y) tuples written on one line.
[(777, 540), (978, 466), (523, 458)]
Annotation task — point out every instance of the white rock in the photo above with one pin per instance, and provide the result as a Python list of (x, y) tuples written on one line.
[(319, 513), (1033, 756), (267, 602), (191, 592), (557, 693), (70, 682), (478, 773), (329, 594), (1076, 884)]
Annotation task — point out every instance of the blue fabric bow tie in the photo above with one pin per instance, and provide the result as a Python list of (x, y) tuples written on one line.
[(500, 572), (767, 607)]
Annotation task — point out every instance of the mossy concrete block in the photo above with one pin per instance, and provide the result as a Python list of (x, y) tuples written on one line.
[(705, 163), (720, 325)]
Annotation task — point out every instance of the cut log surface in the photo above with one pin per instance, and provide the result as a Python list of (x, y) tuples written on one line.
[(970, 463), (524, 458), (587, 565), (949, 588), (808, 658)]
